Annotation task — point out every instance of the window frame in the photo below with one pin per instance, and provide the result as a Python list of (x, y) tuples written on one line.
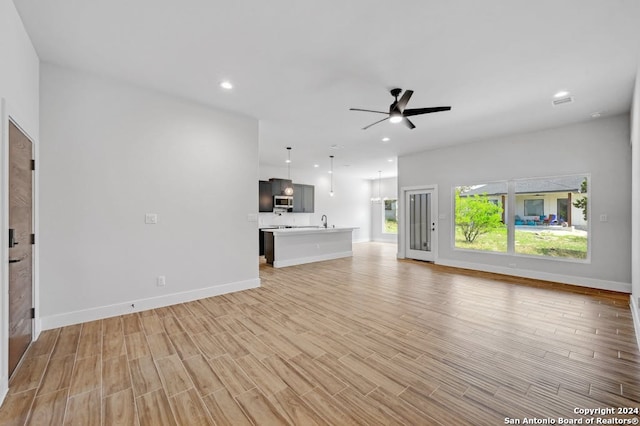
[(384, 218), (510, 214), (505, 215)]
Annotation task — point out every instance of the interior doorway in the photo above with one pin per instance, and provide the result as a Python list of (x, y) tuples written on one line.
[(21, 239)]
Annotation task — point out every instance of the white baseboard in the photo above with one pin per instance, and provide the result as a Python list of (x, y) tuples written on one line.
[(361, 240), (539, 275), (310, 259), (635, 313), (4, 388), (100, 312), (383, 240)]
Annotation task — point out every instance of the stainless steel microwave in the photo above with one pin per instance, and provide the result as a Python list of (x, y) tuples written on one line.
[(283, 202)]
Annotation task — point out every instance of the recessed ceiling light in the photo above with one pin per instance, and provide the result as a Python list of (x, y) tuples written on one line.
[(561, 94), (385, 139), (226, 84), (316, 165), (390, 160), (596, 114)]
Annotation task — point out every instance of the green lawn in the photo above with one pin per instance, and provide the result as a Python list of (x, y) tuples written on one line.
[(391, 226), (540, 243)]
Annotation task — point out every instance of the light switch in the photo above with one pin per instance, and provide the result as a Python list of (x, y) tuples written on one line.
[(151, 218)]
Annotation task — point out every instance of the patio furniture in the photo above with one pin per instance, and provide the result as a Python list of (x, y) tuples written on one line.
[(551, 220)]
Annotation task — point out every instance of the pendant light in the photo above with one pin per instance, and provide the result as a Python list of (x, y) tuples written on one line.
[(289, 189), (331, 172), (377, 199)]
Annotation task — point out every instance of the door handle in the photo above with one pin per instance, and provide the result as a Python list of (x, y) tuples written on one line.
[(14, 260), (12, 238)]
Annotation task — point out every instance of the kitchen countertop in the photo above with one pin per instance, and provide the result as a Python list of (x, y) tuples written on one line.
[(308, 230), (265, 227)]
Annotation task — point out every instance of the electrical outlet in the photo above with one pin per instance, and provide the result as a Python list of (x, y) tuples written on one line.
[(150, 218), (604, 218), (161, 281)]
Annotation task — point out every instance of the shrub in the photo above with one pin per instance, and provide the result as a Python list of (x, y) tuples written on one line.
[(476, 215)]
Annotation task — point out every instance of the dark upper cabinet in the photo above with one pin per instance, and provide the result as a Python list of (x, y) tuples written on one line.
[(279, 185), (303, 198), (298, 196), (265, 200)]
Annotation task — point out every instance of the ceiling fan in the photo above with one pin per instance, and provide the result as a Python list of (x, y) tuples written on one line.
[(398, 112)]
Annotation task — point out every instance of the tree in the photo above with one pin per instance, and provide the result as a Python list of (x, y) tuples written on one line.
[(476, 215), (581, 203)]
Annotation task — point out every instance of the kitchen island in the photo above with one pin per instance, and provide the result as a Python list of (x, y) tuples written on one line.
[(295, 246)]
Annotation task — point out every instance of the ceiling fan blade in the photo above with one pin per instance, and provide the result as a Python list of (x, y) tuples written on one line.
[(368, 110), (408, 123), (373, 124), (418, 111), (402, 103)]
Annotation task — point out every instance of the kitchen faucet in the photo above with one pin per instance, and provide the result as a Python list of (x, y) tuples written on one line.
[(323, 219)]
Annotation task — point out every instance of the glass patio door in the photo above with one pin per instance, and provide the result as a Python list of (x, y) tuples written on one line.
[(421, 225)]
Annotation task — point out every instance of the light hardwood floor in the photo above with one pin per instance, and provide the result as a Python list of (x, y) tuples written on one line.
[(365, 340)]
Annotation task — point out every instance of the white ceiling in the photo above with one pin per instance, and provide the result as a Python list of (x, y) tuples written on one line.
[(298, 66)]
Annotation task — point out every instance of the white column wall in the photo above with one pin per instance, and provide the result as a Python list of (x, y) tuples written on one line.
[(635, 217), (110, 153)]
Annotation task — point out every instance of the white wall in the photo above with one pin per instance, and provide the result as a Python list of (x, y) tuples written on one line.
[(348, 207), (19, 100), (635, 222), (599, 147), (110, 153), (19, 70), (388, 189)]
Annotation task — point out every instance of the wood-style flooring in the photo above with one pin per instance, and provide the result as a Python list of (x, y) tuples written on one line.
[(364, 340)]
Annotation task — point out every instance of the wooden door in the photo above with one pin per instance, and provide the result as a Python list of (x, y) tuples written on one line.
[(20, 244)]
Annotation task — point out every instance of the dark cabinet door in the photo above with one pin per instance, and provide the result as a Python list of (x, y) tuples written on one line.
[(278, 186), (309, 199), (265, 199), (298, 198), (303, 198)]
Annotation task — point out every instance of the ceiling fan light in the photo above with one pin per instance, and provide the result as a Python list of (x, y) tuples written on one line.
[(395, 118)]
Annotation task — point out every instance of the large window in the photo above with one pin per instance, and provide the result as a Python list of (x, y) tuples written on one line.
[(390, 217), (479, 217), (551, 217), (546, 217), (534, 207)]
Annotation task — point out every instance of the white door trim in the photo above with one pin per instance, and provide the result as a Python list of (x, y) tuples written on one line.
[(5, 117), (401, 218)]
